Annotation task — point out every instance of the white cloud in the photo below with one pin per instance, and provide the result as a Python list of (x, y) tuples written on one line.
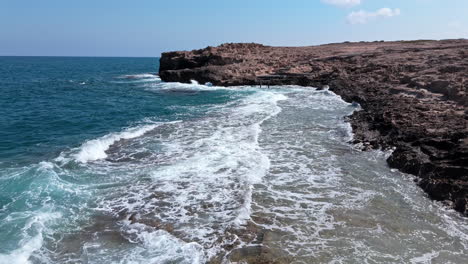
[(362, 17), (343, 3)]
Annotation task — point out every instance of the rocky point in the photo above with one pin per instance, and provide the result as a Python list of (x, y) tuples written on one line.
[(413, 96)]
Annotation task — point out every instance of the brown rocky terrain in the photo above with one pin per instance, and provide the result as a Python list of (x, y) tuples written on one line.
[(414, 96)]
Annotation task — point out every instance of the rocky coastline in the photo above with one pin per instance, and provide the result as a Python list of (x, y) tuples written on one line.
[(414, 96)]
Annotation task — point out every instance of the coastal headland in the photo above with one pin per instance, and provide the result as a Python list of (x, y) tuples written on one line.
[(413, 94)]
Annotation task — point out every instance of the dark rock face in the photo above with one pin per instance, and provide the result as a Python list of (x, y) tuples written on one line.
[(414, 96)]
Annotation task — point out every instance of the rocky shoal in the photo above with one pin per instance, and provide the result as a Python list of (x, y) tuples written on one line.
[(413, 94)]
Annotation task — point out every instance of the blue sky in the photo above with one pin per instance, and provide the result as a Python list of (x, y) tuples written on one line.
[(149, 27)]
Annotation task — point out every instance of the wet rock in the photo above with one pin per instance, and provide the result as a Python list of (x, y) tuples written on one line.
[(258, 255)]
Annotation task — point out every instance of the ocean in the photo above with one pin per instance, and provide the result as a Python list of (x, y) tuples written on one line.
[(102, 162)]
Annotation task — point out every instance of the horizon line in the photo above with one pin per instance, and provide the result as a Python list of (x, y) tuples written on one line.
[(79, 56)]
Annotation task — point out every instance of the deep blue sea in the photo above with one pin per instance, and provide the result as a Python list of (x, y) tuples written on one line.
[(102, 162)]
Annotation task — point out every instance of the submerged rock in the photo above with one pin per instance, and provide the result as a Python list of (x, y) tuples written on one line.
[(413, 95)]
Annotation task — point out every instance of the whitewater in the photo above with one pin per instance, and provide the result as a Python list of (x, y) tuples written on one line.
[(207, 174)]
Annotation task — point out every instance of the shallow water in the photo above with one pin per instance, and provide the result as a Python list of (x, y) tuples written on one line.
[(101, 162)]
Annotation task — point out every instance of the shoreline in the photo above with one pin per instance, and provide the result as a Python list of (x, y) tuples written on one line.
[(413, 96)]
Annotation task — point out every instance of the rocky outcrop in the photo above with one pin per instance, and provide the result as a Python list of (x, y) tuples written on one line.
[(413, 95)]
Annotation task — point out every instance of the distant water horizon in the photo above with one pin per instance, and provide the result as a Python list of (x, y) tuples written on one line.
[(102, 162)]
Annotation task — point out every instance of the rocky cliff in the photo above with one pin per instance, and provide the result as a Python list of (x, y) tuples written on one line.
[(414, 96)]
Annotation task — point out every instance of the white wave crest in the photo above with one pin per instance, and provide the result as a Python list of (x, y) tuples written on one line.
[(192, 86), (95, 149), (139, 78), (32, 239)]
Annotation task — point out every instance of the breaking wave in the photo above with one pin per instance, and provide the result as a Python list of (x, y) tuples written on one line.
[(246, 171), (96, 148)]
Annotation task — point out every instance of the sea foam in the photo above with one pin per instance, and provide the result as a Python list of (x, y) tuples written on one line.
[(206, 174), (32, 240), (95, 149), (138, 78)]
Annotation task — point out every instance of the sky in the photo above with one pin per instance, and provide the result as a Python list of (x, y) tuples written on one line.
[(145, 28)]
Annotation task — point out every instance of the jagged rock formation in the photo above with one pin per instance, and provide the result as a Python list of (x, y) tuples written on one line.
[(414, 96)]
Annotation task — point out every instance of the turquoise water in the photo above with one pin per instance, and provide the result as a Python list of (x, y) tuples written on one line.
[(101, 162), (80, 98), (50, 106)]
